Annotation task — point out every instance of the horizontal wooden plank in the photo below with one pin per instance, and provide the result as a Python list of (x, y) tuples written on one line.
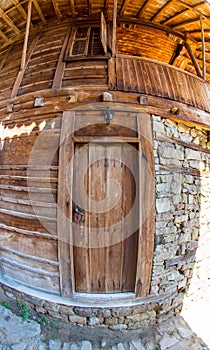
[(28, 207), (36, 245), (101, 139), (29, 178), (28, 189), (27, 216), (30, 278), (5, 228)]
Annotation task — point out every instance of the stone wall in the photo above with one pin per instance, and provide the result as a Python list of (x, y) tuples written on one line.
[(182, 159)]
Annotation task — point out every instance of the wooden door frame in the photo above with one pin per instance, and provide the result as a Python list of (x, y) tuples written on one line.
[(64, 226)]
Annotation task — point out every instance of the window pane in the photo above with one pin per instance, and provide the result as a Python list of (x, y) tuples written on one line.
[(95, 46), (79, 47)]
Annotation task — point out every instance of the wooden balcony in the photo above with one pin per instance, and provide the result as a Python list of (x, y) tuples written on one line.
[(154, 78)]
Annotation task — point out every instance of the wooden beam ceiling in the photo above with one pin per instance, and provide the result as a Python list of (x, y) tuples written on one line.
[(9, 22), (39, 11), (142, 9), (72, 7), (20, 9), (156, 16)]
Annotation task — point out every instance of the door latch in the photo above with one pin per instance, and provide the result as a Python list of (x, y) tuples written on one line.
[(78, 215)]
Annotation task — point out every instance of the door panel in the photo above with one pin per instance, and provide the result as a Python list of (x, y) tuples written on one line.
[(105, 186)]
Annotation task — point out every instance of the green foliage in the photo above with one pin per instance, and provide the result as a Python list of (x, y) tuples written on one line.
[(6, 305), (174, 332), (158, 347), (53, 325), (24, 309)]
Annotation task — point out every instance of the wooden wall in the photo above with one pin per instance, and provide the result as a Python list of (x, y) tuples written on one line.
[(28, 202)]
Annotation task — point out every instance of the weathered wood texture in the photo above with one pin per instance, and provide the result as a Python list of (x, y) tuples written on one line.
[(126, 73), (28, 203), (154, 78), (102, 178)]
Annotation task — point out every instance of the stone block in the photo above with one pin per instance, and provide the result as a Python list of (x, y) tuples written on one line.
[(118, 327), (86, 345), (94, 321), (163, 205), (85, 312), (111, 320), (78, 319), (122, 312), (66, 310)]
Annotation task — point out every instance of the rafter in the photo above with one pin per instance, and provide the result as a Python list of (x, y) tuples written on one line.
[(39, 11), (55, 5), (143, 8), (184, 23), (72, 6), (123, 7), (9, 22), (161, 10)]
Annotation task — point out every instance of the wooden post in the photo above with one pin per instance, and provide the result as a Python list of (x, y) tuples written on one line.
[(203, 48), (194, 61), (114, 29), (23, 61)]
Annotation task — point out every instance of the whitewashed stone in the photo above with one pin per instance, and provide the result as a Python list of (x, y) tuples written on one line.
[(158, 127), (163, 205), (54, 345), (186, 138), (137, 344), (192, 154), (86, 345)]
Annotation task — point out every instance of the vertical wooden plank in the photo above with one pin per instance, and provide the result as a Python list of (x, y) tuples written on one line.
[(112, 73), (96, 222), (146, 205), (80, 231), (203, 48), (114, 28), (64, 223), (57, 81), (130, 216)]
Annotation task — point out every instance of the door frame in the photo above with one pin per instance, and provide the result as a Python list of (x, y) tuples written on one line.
[(73, 120)]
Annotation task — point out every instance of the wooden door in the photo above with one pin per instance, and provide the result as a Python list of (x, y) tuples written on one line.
[(111, 249), (105, 242)]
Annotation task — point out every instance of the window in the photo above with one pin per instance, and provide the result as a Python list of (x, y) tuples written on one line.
[(87, 41)]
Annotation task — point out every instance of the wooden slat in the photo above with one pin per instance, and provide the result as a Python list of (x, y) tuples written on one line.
[(65, 204), (57, 10), (101, 139), (146, 206), (157, 14), (6, 228), (143, 8)]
